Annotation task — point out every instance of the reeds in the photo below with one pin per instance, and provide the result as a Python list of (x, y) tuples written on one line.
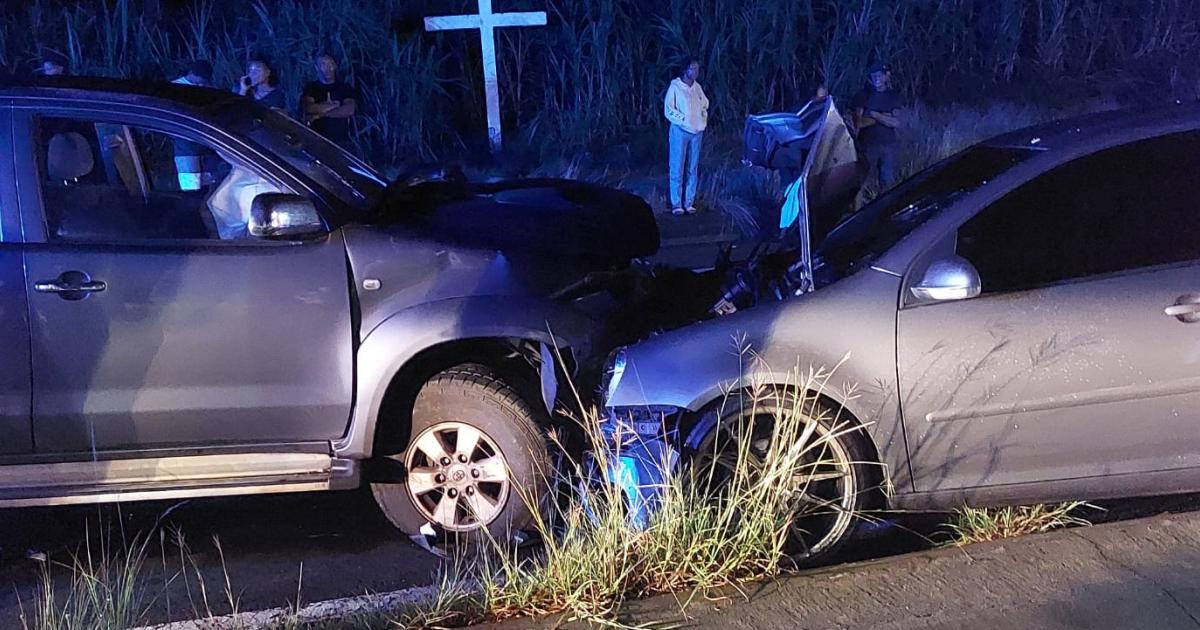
[(595, 75)]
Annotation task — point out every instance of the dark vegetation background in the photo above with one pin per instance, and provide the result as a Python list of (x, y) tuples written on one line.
[(582, 96)]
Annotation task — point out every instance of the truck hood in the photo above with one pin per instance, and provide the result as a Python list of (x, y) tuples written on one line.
[(551, 218)]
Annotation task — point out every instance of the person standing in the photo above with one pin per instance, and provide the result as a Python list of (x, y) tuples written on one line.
[(686, 108), (260, 85), (199, 73), (54, 63), (329, 104), (876, 119), (193, 160)]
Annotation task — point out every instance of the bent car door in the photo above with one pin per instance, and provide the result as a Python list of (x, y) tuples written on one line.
[(158, 322), (1082, 356), (15, 431)]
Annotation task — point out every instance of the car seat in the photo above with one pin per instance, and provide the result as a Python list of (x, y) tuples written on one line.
[(78, 210), (68, 158)]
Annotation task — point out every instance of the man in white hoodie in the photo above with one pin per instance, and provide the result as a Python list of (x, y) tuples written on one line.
[(686, 108)]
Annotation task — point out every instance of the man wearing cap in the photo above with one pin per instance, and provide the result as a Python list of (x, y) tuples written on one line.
[(199, 73), (190, 158), (54, 63), (876, 108)]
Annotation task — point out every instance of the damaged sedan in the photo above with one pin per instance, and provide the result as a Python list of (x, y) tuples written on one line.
[(1013, 324)]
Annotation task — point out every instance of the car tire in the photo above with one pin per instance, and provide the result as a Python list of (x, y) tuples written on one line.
[(452, 494), (859, 492)]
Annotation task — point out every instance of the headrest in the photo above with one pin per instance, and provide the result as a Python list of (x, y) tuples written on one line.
[(69, 156)]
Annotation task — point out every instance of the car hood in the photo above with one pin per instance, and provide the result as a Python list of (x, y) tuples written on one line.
[(551, 218)]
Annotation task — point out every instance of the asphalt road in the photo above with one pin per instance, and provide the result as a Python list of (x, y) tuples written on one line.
[(345, 546)]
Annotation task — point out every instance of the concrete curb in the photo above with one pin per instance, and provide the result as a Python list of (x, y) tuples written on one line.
[(382, 603), (1131, 574)]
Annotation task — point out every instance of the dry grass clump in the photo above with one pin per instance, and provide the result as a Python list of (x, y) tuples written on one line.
[(973, 525), (104, 591)]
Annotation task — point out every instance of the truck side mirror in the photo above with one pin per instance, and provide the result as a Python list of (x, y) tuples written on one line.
[(284, 217)]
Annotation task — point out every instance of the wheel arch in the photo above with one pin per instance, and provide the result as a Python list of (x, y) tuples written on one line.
[(410, 347), (516, 359)]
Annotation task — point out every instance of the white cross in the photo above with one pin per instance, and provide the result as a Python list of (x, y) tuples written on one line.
[(487, 22)]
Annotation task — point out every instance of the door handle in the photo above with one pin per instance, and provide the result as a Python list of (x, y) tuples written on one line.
[(1186, 309), (55, 286), (70, 285)]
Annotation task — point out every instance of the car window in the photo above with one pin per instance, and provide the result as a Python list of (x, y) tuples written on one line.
[(110, 182), (1121, 209)]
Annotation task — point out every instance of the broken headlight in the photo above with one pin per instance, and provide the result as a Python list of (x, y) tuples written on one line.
[(614, 370)]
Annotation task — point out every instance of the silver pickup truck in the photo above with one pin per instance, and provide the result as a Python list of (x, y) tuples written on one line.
[(200, 297)]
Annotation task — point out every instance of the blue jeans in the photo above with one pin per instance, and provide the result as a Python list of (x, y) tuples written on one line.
[(882, 160), (685, 154)]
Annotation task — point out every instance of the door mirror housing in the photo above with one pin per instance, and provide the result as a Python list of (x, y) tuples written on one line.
[(284, 216), (948, 279)]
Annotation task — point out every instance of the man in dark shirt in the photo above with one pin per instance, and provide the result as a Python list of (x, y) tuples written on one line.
[(329, 104), (194, 162), (875, 115)]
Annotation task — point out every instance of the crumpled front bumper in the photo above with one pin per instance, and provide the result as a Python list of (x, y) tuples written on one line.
[(640, 454)]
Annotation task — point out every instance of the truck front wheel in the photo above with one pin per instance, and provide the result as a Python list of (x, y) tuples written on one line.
[(474, 464)]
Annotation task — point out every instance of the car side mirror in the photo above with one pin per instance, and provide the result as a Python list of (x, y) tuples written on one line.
[(284, 216), (946, 280)]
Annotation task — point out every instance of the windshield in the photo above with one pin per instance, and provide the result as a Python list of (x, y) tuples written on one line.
[(349, 179), (865, 235)]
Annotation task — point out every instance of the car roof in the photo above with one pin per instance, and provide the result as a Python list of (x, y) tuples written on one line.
[(1067, 132), (119, 91)]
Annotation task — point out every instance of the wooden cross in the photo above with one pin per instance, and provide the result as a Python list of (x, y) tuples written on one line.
[(487, 22)]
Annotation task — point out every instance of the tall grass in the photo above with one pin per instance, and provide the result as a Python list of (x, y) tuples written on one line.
[(104, 592), (594, 76), (111, 585), (711, 525)]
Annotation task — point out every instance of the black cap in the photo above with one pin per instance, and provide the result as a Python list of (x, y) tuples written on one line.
[(201, 68), (880, 66), (53, 56)]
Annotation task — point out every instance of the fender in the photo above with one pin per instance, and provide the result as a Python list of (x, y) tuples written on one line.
[(403, 335), (777, 344)]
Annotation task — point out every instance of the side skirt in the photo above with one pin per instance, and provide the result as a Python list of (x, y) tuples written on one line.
[(69, 483), (1178, 481)]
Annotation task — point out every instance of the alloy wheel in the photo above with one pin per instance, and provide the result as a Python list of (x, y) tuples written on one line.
[(822, 487), (457, 477)]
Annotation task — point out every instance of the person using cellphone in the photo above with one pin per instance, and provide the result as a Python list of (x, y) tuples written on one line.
[(259, 84)]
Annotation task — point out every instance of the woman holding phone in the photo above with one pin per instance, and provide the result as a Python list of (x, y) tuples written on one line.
[(260, 85)]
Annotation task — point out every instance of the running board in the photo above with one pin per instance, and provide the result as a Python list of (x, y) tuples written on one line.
[(110, 481)]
